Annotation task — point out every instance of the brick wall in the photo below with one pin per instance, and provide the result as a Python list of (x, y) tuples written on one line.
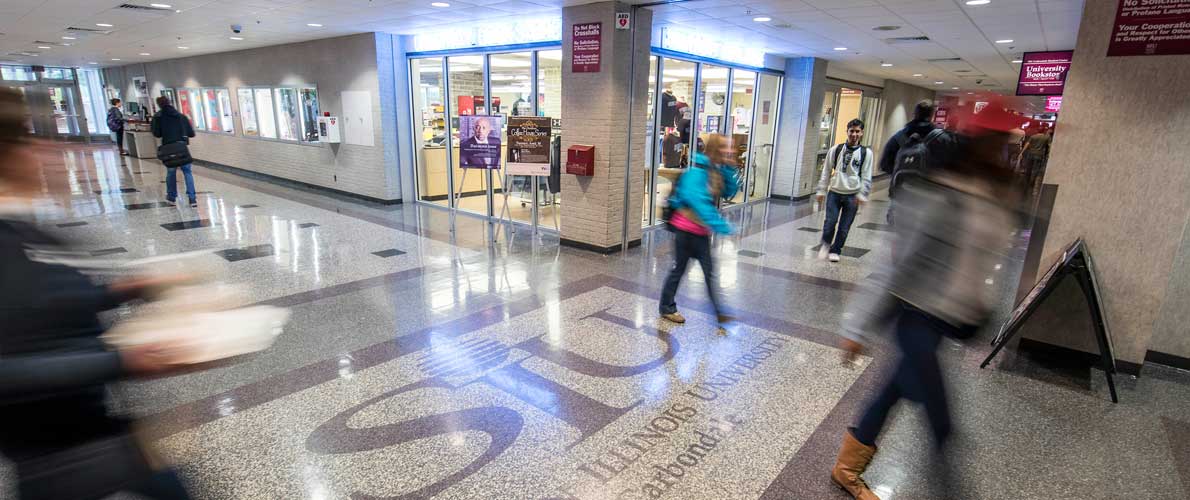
[(595, 109), (333, 65), (801, 104)]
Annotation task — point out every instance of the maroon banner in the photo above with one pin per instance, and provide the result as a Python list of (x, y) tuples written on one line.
[(1151, 28), (1043, 73), (587, 46)]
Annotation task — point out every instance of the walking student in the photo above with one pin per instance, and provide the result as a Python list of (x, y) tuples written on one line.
[(845, 184), (115, 122), (695, 215), (954, 225), (171, 126)]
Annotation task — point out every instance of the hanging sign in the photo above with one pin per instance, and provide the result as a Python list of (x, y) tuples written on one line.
[(623, 21), (1053, 104), (528, 145), (480, 146), (1150, 28), (1043, 73), (587, 44)]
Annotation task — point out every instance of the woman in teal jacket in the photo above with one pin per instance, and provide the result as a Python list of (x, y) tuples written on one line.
[(695, 216)]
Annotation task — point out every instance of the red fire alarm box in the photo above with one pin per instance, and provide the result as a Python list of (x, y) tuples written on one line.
[(580, 160)]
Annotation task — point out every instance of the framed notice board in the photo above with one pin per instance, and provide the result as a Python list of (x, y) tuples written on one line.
[(1076, 262)]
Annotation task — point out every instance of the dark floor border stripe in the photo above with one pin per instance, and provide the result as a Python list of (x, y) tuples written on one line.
[(1062, 352), (290, 183), (1169, 360), (596, 248)]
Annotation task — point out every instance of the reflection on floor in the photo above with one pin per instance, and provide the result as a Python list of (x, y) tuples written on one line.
[(423, 362)]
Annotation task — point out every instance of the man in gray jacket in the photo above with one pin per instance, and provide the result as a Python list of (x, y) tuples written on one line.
[(844, 185)]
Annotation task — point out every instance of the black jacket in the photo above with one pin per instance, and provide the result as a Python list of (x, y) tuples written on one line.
[(888, 158), (172, 126)]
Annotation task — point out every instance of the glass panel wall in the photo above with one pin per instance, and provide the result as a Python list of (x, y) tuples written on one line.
[(467, 98), (739, 124), (429, 118), (247, 112), (549, 103), (216, 106), (676, 120), (653, 138), (712, 101), (764, 129), (309, 96), (512, 95)]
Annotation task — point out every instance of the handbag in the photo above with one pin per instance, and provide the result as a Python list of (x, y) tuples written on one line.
[(174, 154)]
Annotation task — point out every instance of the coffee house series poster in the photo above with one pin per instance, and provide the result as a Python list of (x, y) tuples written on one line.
[(528, 145)]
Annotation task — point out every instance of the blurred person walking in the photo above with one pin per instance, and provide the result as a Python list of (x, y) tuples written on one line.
[(693, 216), (845, 184), (54, 422), (954, 226), (115, 122), (172, 127)]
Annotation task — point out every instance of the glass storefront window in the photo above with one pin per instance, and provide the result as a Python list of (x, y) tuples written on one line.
[(17, 73), (826, 122), (266, 117), (739, 124), (764, 128), (91, 92), (57, 74), (652, 145), (216, 106), (512, 95), (171, 95), (287, 113), (247, 112), (429, 120), (467, 98), (549, 103), (309, 96), (676, 120), (190, 104), (712, 101)]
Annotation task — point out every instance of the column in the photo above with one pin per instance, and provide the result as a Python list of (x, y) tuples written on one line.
[(595, 111), (801, 105), (1121, 184)]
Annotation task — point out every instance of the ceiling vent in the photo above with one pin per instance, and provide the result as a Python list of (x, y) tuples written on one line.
[(944, 60), (143, 8), (89, 30), (902, 40)]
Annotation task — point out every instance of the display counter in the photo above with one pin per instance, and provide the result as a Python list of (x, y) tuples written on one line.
[(433, 183), (140, 144)]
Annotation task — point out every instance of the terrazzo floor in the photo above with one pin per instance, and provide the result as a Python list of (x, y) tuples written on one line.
[(426, 362)]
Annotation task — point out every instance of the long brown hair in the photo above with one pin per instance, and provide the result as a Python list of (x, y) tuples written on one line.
[(715, 143)]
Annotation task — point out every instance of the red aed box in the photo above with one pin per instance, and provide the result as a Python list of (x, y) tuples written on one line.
[(580, 160)]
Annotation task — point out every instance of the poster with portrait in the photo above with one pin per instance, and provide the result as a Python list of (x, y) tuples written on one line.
[(479, 141), (529, 145)]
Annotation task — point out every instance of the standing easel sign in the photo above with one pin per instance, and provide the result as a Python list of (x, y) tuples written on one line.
[(479, 146), (528, 145)]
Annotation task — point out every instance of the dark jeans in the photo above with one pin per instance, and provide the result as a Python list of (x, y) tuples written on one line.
[(918, 377), (690, 246), (171, 182), (840, 211), (119, 139)]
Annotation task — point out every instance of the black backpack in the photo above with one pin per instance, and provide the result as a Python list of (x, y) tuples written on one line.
[(918, 155), (834, 156), (667, 211)]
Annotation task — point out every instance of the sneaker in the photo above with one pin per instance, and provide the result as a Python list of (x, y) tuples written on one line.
[(674, 317), (171, 203), (823, 249), (193, 203), (834, 257), (725, 319)]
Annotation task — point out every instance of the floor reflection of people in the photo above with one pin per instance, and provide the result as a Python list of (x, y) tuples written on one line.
[(54, 422)]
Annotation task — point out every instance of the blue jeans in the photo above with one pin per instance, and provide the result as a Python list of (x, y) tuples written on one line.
[(836, 205), (171, 183), (689, 246)]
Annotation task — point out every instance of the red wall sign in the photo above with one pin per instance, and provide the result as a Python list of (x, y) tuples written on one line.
[(587, 46), (1151, 28), (1043, 73)]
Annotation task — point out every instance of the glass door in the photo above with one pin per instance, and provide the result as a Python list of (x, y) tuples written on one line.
[(739, 126), (466, 84), (429, 122), (764, 129), (511, 78), (675, 124)]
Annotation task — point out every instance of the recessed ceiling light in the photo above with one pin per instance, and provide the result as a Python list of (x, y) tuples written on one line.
[(103, 25), (954, 88), (1006, 40), (762, 19), (182, 47), (161, 5), (92, 62), (938, 83), (43, 46), (439, 4), (917, 74), (970, 93), (115, 58), (1017, 61), (68, 44), (840, 48), (69, 38), (236, 37), (145, 54), (978, 2), (886, 65), (314, 25)]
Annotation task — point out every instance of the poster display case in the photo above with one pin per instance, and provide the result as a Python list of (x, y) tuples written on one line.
[(286, 101)]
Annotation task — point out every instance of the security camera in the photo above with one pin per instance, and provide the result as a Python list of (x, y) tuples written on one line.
[(235, 28), (979, 82)]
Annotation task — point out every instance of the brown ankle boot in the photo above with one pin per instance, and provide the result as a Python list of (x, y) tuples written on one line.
[(854, 458)]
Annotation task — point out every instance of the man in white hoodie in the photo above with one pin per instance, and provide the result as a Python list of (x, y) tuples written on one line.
[(845, 184)]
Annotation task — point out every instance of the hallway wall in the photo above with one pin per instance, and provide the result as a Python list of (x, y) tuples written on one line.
[(334, 65)]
